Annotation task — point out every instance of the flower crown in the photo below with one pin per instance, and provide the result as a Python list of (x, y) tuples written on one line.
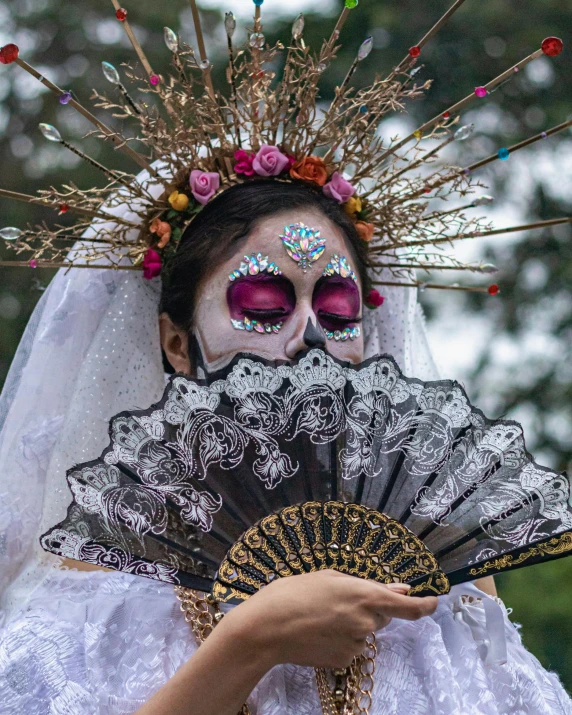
[(203, 141)]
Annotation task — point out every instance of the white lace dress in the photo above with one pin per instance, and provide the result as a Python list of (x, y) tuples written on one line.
[(102, 643)]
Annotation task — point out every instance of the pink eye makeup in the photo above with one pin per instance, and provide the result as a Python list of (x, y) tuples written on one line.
[(260, 303), (337, 304), (260, 299)]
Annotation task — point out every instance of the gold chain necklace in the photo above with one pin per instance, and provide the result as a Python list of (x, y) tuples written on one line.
[(351, 693), (202, 613)]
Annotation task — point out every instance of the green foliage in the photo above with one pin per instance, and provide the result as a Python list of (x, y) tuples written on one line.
[(68, 40)]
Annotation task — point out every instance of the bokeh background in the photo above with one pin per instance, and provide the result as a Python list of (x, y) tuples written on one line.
[(512, 352)]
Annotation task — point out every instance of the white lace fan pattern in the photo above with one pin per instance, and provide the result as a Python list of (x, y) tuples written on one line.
[(184, 480)]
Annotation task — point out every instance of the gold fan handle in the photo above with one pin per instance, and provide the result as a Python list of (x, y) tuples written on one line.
[(353, 686), (202, 613)]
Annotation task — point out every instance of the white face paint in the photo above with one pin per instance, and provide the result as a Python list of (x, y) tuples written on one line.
[(293, 298)]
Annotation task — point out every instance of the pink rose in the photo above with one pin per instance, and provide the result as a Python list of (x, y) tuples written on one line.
[(204, 185), (270, 161), (339, 189), (244, 161), (151, 264)]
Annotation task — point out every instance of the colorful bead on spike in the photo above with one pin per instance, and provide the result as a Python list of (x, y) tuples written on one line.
[(9, 53), (552, 46)]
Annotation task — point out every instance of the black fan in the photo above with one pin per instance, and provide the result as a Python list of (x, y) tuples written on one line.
[(270, 469)]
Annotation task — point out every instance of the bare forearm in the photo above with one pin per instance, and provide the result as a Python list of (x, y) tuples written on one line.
[(487, 585), (216, 681)]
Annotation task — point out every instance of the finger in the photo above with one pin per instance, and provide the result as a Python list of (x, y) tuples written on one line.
[(398, 587), (409, 608)]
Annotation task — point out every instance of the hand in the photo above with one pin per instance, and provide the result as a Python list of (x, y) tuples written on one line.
[(320, 619)]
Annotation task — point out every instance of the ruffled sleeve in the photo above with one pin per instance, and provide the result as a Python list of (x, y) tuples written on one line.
[(103, 643)]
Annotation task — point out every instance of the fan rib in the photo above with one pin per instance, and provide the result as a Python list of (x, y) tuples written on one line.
[(482, 528)]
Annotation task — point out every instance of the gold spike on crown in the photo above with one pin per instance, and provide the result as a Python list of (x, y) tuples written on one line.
[(203, 142)]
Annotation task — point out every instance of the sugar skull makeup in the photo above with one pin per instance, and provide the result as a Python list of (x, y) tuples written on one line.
[(278, 301), (337, 301), (303, 244), (260, 301)]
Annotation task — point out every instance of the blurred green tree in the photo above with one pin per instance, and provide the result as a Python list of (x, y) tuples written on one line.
[(68, 40)]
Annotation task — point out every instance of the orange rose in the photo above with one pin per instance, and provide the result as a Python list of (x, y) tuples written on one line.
[(163, 231), (365, 230), (310, 168)]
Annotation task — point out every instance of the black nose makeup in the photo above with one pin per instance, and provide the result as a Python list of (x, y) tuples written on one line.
[(314, 336)]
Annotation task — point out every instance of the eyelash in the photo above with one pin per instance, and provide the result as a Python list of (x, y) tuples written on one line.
[(323, 316), (284, 307), (339, 318), (333, 321), (265, 314)]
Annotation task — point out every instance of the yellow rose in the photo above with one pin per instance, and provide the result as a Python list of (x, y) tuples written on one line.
[(178, 201), (353, 206)]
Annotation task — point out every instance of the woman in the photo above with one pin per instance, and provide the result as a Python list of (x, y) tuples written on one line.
[(89, 641)]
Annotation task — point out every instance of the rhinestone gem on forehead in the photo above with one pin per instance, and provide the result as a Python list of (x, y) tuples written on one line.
[(303, 244), (253, 265), (339, 265)]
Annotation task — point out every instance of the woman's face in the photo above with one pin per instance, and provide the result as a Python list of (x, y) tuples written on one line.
[(277, 315)]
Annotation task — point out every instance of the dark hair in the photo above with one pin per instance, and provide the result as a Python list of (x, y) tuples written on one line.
[(215, 235)]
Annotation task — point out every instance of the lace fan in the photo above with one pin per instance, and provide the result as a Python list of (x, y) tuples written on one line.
[(263, 470)]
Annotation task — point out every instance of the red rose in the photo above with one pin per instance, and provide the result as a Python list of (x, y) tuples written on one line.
[(374, 299), (151, 264), (244, 160)]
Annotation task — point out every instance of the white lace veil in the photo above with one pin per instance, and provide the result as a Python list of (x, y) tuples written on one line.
[(91, 350)]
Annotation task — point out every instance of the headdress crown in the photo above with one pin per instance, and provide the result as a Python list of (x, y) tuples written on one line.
[(203, 141)]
